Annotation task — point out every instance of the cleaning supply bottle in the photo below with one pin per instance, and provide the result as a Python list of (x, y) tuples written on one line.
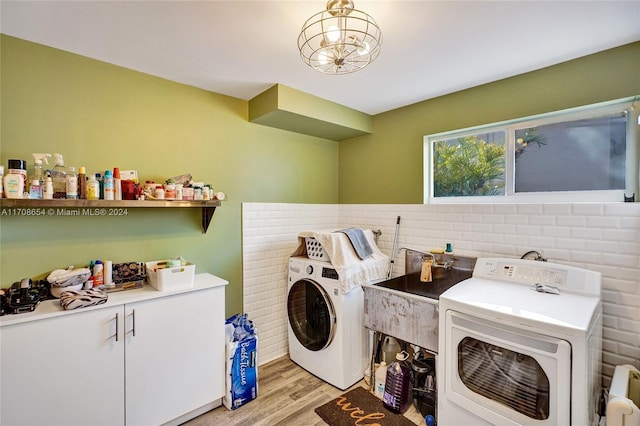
[(82, 183), (38, 173), (380, 379), (390, 348), (1, 181), (109, 190), (398, 384), (93, 188), (59, 177), (72, 184)]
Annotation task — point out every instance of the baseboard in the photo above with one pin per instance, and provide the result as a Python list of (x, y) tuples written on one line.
[(195, 413)]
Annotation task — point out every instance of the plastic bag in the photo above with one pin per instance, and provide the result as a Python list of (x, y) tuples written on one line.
[(241, 366)]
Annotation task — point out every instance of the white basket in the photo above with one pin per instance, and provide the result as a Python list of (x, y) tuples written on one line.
[(163, 278), (315, 250)]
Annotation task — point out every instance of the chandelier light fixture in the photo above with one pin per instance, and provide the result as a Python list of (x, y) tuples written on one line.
[(339, 40)]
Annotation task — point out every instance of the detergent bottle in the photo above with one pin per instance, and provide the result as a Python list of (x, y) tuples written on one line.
[(397, 385)]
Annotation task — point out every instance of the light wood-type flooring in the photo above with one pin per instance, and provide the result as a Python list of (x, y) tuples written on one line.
[(287, 395)]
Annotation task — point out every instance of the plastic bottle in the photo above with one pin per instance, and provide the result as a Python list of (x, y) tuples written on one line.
[(93, 188), (47, 193), (38, 173), (380, 378), (117, 184), (35, 190), (100, 186), (98, 273), (109, 190), (398, 384), (14, 185), (18, 167), (390, 348), (1, 181), (59, 177), (72, 184), (82, 183)]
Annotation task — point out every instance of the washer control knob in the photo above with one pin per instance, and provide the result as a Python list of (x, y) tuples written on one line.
[(309, 269)]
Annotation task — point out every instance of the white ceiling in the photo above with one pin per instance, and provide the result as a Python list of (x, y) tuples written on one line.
[(240, 48)]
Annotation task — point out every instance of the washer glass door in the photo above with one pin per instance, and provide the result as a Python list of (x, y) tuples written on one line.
[(311, 314)]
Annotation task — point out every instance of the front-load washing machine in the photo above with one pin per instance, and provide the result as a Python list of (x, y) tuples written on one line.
[(326, 327)]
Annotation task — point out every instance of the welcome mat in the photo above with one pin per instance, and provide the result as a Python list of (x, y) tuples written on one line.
[(359, 407)]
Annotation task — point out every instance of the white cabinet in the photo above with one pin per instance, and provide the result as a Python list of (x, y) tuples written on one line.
[(175, 360), (63, 370), (144, 358)]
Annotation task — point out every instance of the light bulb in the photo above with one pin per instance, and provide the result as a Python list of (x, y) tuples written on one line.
[(364, 48), (333, 33), (322, 58)]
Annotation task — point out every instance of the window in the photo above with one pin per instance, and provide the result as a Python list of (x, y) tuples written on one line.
[(582, 154)]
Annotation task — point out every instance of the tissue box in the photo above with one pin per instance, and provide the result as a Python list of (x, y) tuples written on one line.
[(164, 278)]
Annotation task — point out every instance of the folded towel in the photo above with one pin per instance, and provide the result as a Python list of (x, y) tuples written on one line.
[(352, 271), (74, 299), (358, 241)]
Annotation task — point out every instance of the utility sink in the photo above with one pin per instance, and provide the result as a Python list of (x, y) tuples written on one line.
[(410, 283), (407, 308)]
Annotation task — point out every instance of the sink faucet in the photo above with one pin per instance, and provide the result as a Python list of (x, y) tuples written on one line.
[(447, 264)]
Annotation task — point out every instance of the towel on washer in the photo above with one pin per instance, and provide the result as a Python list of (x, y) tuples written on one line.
[(352, 271), (358, 241)]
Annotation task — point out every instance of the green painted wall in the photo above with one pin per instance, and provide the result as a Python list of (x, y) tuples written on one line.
[(386, 166), (102, 116)]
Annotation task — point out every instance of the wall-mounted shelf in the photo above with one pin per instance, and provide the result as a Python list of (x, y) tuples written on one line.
[(208, 207)]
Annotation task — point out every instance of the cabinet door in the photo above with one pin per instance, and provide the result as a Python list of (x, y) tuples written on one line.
[(174, 355), (62, 371)]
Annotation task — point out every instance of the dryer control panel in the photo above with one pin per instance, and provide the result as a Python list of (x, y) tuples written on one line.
[(529, 272), (516, 271)]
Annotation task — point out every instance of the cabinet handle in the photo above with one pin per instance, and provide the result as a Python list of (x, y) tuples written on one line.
[(117, 327), (133, 323)]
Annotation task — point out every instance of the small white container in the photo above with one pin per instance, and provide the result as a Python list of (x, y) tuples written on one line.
[(164, 278)]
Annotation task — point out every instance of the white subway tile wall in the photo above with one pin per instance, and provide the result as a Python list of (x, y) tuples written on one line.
[(269, 236), (598, 236)]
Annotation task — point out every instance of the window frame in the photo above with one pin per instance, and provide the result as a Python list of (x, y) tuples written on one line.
[(630, 106)]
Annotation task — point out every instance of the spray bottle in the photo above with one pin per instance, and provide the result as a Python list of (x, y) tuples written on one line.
[(36, 189), (59, 177)]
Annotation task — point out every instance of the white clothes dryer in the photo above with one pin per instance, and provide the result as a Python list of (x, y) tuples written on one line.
[(520, 344), (326, 329)]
